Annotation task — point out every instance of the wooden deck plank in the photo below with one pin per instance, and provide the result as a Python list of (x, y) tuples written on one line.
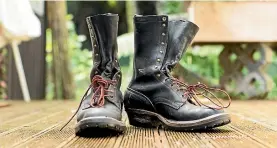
[(252, 126), (257, 111), (183, 140), (266, 135), (51, 138), (36, 125), (17, 135), (22, 108), (26, 118)]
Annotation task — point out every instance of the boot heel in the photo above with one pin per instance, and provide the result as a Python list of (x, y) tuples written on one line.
[(142, 119)]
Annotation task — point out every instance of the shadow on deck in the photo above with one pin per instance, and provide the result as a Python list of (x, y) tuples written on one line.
[(37, 124)]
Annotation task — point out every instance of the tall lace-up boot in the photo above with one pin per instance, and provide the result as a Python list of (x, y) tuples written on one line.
[(101, 107), (153, 97)]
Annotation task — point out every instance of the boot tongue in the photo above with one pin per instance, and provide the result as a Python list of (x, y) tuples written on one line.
[(167, 70), (107, 71), (180, 35), (107, 76)]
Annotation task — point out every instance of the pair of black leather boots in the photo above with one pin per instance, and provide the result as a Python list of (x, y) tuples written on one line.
[(153, 98)]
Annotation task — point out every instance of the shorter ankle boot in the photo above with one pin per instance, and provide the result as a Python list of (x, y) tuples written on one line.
[(153, 97), (101, 106)]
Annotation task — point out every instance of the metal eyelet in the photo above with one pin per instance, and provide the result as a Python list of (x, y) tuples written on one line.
[(161, 51), (96, 54), (95, 45), (158, 75), (158, 60), (162, 43), (164, 18), (163, 34), (164, 25), (156, 67)]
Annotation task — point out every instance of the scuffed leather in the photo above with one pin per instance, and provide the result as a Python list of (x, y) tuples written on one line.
[(181, 35), (112, 107), (103, 32), (148, 44), (151, 88)]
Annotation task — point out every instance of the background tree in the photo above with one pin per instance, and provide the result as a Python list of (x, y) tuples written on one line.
[(62, 77), (147, 7)]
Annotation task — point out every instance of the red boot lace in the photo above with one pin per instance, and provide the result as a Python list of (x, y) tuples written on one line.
[(100, 89), (193, 93)]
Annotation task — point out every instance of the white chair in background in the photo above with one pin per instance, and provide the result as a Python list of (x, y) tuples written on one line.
[(18, 23)]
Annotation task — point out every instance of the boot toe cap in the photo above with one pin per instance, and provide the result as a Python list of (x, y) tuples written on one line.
[(190, 112), (204, 112), (105, 111)]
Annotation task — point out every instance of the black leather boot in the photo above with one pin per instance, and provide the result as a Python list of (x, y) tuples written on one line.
[(154, 97), (101, 106)]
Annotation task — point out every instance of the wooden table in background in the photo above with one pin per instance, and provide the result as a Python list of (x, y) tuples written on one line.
[(248, 31)]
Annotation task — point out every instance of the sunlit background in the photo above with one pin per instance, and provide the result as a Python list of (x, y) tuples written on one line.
[(201, 62)]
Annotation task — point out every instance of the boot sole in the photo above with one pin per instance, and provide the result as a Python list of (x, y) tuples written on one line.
[(147, 119), (99, 126)]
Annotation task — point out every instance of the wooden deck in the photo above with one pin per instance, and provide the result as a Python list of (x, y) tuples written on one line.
[(37, 124)]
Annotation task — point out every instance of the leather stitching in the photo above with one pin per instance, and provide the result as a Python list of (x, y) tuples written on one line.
[(162, 100), (134, 92)]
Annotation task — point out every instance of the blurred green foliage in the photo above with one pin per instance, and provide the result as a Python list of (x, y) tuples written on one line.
[(171, 7), (3, 70), (80, 60), (112, 3), (204, 61)]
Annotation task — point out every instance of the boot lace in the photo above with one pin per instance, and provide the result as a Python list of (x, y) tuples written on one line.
[(100, 89), (193, 91)]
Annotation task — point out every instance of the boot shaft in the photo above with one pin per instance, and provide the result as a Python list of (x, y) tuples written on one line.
[(159, 43), (153, 92), (180, 36), (103, 30), (150, 43)]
